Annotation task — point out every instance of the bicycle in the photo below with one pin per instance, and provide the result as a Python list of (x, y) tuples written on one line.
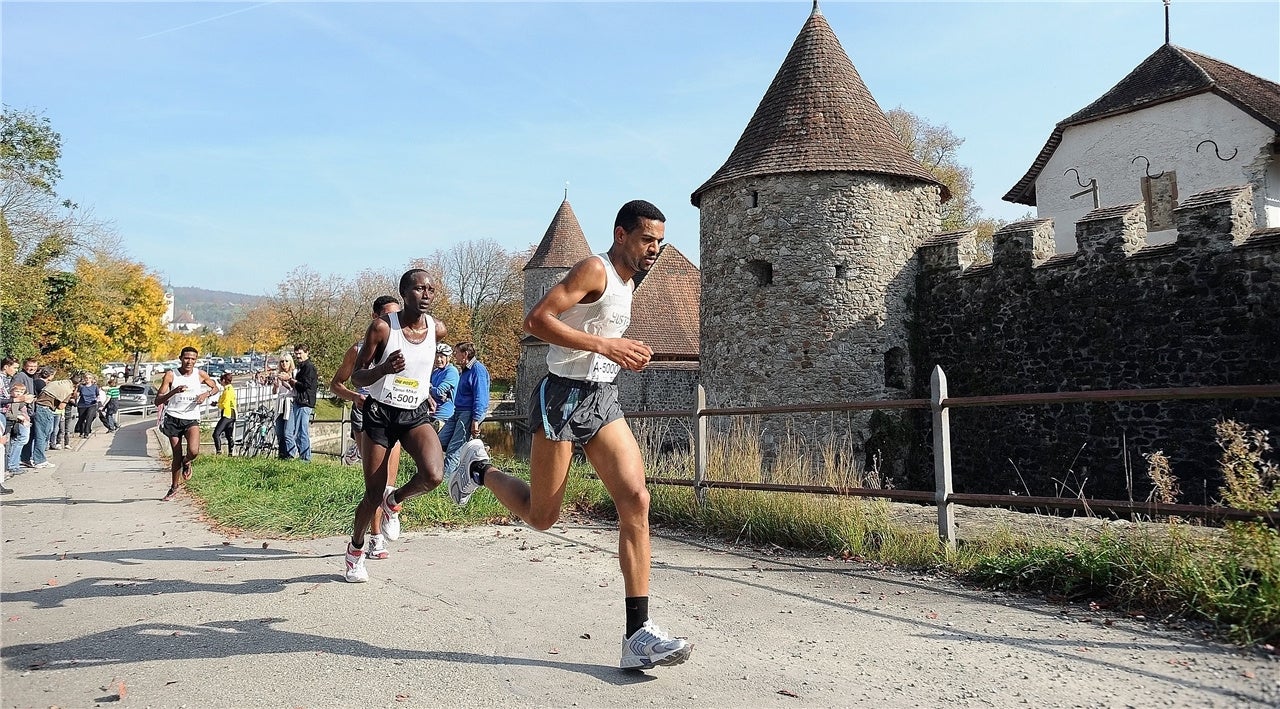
[(259, 433)]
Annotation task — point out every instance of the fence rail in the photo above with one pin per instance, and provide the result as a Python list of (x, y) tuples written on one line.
[(943, 496)]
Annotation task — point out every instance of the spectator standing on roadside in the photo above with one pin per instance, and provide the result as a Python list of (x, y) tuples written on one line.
[(87, 406), (470, 405), (28, 376), (226, 426), (306, 382), (111, 404), (15, 404), (282, 387), (50, 404), (444, 386)]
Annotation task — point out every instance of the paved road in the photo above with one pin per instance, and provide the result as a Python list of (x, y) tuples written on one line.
[(106, 588)]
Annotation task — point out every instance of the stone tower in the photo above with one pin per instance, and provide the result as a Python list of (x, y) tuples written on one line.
[(808, 235), (562, 246)]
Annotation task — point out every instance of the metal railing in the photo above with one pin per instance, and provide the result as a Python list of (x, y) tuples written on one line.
[(943, 494)]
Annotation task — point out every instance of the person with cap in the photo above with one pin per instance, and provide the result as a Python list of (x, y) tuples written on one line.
[(444, 385)]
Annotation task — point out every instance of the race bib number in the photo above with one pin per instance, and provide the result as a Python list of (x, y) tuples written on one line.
[(403, 393), (603, 369)]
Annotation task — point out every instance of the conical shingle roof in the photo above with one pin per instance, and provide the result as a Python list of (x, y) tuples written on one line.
[(817, 116), (664, 309), (563, 245), (1170, 73)]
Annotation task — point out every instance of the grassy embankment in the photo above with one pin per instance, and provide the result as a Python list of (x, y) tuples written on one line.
[(1231, 579)]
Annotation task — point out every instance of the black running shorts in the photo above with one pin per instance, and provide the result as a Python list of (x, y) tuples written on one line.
[(571, 409), (176, 427), (387, 425)]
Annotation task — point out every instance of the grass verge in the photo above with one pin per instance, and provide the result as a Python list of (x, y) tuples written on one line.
[(1230, 579)]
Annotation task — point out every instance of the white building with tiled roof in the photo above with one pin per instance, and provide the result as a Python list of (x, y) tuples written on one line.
[(1178, 124)]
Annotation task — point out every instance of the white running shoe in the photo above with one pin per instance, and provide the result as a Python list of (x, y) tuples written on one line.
[(45, 464), (356, 572), (390, 516), (461, 484), (377, 547), (650, 646)]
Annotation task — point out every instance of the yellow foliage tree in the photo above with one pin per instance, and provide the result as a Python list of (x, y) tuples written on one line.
[(120, 308)]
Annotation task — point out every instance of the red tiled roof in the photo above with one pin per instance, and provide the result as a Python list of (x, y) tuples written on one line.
[(817, 116), (664, 309), (1170, 73), (563, 245)]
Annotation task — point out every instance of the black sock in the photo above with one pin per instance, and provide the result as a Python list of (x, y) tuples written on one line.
[(637, 613)]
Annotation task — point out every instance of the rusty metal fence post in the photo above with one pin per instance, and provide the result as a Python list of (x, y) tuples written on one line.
[(699, 447), (942, 457)]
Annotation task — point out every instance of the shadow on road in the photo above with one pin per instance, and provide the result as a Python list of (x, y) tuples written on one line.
[(109, 587), (234, 638), (208, 553)]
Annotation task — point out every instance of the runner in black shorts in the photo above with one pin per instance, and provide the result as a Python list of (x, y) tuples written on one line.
[(395, 362), (583, 319), (182, 394), (382, 305)]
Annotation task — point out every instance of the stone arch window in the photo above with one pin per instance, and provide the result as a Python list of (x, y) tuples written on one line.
[(895, 368), (762, 270)]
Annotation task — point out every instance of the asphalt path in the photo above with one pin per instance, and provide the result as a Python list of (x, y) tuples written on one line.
[(110, 597)]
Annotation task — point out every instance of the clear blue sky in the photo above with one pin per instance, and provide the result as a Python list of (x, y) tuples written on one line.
[(231, 142)]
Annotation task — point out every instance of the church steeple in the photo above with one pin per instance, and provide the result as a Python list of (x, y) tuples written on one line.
[(817, 116)]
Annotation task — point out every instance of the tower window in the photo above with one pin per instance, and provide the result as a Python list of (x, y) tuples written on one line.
[(842, 271), (762, 270), (755, 199), (895, 368)]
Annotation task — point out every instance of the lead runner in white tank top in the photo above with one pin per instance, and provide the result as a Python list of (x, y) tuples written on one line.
[(406, 389), (609, 316), (183, 404)]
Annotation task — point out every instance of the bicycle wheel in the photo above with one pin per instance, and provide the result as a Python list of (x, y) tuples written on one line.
[(246, 442)]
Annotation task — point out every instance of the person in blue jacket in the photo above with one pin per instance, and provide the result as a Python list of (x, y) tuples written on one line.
[(471, 403), (444, 385)]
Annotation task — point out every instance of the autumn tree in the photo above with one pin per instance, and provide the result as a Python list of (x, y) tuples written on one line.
[(484, 300), (935, 147), (40, 233)]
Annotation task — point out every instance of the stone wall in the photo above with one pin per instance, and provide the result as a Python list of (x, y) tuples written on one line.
[(1116, 314), (806, 281)]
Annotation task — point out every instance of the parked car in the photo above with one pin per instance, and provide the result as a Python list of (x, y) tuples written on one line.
[(113, 369), (134, 397)]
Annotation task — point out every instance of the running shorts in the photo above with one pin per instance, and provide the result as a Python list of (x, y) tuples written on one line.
[(572, 409), (387, 425), (357, 420), (174, 427)]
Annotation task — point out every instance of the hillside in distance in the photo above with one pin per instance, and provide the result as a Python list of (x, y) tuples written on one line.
[(214, 308)]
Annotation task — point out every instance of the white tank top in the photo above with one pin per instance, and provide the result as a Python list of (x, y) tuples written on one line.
[(607, 317), (409, 388), (183, 406)]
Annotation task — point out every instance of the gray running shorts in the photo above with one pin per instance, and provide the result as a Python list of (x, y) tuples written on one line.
[(357, 420), (572, 410)]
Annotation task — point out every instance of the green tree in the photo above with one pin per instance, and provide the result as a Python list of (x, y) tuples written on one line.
[(39, 236), (935, 146)]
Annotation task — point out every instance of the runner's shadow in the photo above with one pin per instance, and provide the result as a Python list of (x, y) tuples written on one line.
[(207, 553), (149, 642), (69, 501), (109, 587)]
